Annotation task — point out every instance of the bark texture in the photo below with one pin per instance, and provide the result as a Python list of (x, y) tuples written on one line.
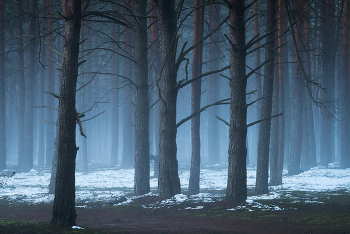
[(265, 126), (237, 152), (193, 187), (63, 212), (142, 165), (168, 180)]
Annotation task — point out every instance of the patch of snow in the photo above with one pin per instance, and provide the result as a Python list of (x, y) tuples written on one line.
[(195, 208), (77, 227)]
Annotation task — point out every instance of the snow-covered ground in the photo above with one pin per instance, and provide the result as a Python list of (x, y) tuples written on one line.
[(115, 185)]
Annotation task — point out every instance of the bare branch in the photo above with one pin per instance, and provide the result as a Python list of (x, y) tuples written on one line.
[(259, 121), (221, 102)]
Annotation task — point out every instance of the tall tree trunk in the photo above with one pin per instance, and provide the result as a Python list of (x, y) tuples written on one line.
[(26, 160), (213, 89), (20, 82), (50, 84), (344, 92), (295, 154), (327, 25), (83, 94), (265, 126), (63, 212), (2, 89), (198, 24), (128, 154), (115, 100), (142, 167), (156, 76), (168, 181), (237, 152), (276, 177)]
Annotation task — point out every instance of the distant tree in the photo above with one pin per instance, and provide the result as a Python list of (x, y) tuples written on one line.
[(20, 80), (265, 126), (63, 212), (50, 87), (2, 88), (295, 154), (153, 22), (213, 87), (128, 153), (26, 160), (344, 76), (198, 25)]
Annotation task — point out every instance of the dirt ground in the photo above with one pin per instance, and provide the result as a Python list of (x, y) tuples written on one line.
[(331, 217)]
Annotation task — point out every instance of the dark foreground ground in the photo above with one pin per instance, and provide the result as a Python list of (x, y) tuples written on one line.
[(330, 216)]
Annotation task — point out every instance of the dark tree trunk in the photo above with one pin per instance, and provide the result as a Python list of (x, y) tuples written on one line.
[(115, 101), (265, 126), (142, 167), (156, 76), (237, 152), (274, 130), (2, 89), (276, 176), (26, 160), (295, 153), (193, 187), (344, 92), (168, 181), (20, 83), (213, 89), (50, 84), (63, 213)]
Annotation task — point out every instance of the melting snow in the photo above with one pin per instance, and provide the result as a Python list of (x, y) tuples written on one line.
[(114, 186)]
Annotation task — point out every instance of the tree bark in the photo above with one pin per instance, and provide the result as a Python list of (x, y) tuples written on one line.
[(213, 89), (198, 24), (2, 89), (168, 181), (265, 126), (237, 152), (142, 165), (63, 213)]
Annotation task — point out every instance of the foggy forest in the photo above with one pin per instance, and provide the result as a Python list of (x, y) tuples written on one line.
[(235, 99)]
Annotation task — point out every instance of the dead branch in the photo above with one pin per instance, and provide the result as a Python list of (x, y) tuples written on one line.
[(224, 121), (80, 127), (45, 107), (259, 121), (54, 95), (93, 117), (221, 102)]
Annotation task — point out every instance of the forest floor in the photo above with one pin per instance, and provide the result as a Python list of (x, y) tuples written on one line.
[(328, 212)]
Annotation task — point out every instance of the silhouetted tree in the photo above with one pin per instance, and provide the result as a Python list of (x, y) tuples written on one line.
[(2, 88), (63, 212)]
